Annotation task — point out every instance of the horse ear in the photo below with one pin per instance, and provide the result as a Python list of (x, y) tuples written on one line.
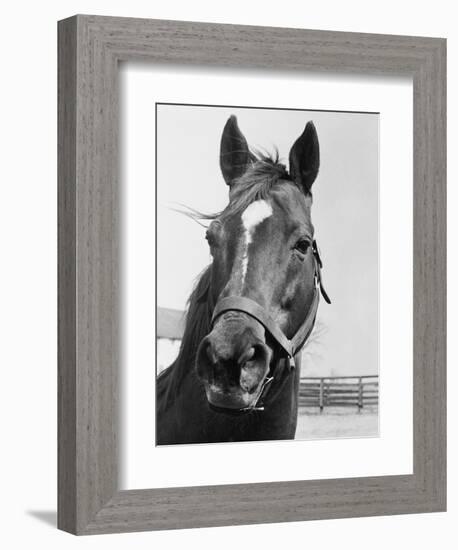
[(234, 156), (304, 158)]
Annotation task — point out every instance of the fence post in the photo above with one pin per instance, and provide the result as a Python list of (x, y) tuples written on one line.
[(360, 394), (321, 394)]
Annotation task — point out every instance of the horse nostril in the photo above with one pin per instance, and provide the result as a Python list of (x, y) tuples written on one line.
[(206, 359), (248, 355), (210, 353), (254, 368)]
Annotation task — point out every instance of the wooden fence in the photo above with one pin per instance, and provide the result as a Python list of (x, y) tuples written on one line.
[(339, 391)]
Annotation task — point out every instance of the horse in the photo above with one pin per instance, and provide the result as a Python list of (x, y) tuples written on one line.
[(237, 373)]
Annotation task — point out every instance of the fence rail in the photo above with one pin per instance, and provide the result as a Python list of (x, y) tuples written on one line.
[(339, 391)]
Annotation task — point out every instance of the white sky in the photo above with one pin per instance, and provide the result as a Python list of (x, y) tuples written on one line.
[(345, 216)]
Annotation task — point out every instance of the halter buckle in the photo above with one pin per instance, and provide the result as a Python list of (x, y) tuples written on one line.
[(317, 253)]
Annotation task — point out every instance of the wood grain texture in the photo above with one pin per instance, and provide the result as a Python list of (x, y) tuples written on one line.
[(90, 49), (67, 437)]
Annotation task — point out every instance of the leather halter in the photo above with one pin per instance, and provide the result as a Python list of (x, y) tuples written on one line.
[(291, 347)]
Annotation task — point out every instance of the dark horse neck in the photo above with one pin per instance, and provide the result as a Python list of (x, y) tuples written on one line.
[(184, 415)]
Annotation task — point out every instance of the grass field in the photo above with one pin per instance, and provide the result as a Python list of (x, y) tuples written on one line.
[(336, 422)]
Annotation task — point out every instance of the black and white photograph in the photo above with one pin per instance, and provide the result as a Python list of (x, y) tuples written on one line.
[(267, 274), (224, 274)]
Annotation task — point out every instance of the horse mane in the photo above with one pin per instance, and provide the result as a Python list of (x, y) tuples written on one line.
[(198, 322), (256, 183), (263, 173)]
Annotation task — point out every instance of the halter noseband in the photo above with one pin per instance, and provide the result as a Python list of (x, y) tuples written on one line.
[(291, 347)]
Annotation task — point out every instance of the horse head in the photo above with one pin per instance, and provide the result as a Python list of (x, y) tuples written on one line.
[(265, 268)]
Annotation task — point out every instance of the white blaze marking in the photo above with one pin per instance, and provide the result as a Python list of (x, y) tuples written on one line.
[(257, 212)]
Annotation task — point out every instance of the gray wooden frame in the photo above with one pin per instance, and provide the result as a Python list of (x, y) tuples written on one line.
[(90, 49)]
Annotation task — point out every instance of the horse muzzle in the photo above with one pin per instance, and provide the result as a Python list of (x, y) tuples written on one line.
[(233, 362)]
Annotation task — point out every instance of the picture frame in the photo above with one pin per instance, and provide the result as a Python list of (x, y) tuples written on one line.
[(90, 49)]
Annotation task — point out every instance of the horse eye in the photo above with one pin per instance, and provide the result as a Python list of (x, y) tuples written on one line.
[(302, 246), (210, 238)]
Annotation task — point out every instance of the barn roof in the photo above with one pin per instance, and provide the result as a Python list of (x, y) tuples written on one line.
[(170, 323)]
